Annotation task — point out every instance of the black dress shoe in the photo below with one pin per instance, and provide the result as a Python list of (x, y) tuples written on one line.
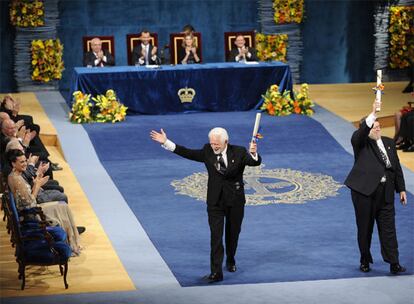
[(409, 149), (55, 167), (213, 277), (397, 268), (364, 267), (231, 267), (81, 229)]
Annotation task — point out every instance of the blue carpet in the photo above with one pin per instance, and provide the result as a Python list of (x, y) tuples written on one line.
[(279, 242)]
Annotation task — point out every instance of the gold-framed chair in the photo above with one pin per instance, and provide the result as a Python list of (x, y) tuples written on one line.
[(176, 40), (230, 37), (133, 39), (108, 43)]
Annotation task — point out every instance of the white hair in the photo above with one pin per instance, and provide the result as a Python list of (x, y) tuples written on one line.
[(13, 144), (220, 133)]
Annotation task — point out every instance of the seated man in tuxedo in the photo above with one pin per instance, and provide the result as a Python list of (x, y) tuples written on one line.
[(98, 57), (145, 53), (242, 53)]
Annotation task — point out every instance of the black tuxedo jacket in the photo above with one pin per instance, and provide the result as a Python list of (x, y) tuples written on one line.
[(235, 52), (230, 185), (369, 167), (89, 59), (137, 53)]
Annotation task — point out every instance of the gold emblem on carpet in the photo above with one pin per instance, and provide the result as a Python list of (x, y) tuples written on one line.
[(268, 186)]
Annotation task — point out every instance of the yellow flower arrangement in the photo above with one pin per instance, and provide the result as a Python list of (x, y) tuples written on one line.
[(401, 36), (27, 13), (106, 108), (47, 60), (303, 104), (282, 104), (81, 108), (288, 11), (111, 110), (271, 47)]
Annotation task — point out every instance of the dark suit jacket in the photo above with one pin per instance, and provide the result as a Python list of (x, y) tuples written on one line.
[(235, 52), (89, 59), (230, 185), (369, 167), (136, 54)]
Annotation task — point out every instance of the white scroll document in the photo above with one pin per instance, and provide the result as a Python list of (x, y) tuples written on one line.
[(256, 126), (378, 91)]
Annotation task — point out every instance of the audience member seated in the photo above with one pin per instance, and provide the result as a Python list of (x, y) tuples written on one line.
[(187, 54), (25, 137), (145, 53), (188, 29), (57, 213), (404, 129), (50, 191), (241, 53), (98, 57), (11, 106)]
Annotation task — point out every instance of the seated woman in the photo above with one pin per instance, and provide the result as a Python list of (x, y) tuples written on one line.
[(188, 52), (57, 213)]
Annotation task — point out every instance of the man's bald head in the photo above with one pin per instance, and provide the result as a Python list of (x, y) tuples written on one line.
[(8, 128)]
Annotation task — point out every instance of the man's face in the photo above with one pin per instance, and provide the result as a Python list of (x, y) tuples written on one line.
[(217, 144), (145, 38), (96, 45), (375, 132), (239, 42), (9, 128)]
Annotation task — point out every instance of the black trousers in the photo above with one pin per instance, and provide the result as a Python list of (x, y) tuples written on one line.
[(370, 209), (232, 218)]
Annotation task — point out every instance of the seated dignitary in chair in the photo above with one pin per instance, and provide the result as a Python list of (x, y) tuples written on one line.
[(98, 57), (373, 179), (225, 164), (145, 53), (187, 54), (241, 53)]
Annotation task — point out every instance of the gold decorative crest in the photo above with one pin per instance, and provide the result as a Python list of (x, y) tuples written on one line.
[(268, 186), (186, 94)]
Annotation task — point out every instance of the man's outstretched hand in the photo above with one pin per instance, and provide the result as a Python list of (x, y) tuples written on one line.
[(159, 137)]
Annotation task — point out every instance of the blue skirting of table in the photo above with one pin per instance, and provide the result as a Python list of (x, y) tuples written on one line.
[(216, 87)]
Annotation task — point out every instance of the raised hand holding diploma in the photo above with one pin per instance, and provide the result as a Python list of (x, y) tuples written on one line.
[(378, 90), (256, 126)]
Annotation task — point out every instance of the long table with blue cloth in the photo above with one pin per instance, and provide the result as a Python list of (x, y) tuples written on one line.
[(215, 87)]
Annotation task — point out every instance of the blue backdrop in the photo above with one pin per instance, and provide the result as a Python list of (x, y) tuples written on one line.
[(337, 35)]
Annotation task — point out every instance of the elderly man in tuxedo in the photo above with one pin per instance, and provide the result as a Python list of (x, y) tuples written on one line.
[(373, 179), (225, 165), (98, 57), (241, 53), (145, 53)]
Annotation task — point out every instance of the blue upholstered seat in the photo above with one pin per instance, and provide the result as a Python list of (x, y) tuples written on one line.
[(37, 244)]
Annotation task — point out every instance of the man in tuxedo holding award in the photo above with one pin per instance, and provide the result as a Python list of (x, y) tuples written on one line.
[(374, 178), (225, 165)]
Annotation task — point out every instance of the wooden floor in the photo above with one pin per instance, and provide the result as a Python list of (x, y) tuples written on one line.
[(99, 268)]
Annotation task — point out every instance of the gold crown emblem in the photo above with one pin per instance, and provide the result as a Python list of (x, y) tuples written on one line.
[(186, 94)]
